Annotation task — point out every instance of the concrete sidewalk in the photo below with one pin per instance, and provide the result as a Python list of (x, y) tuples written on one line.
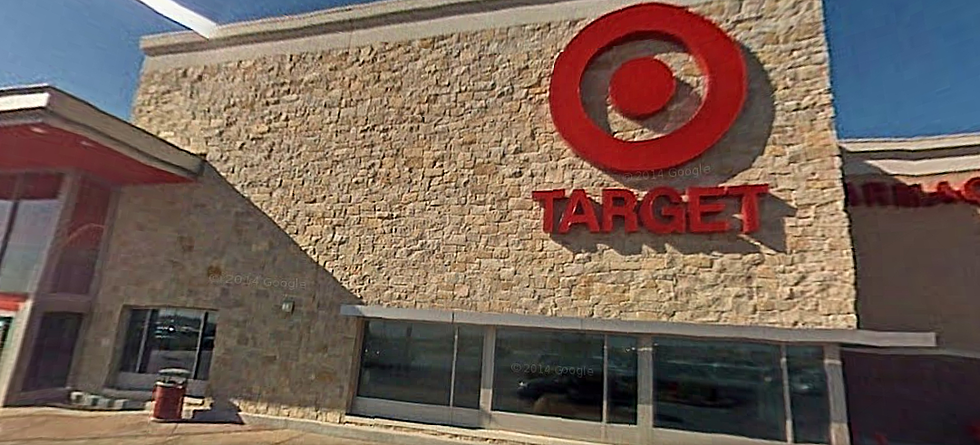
[(44, 426)]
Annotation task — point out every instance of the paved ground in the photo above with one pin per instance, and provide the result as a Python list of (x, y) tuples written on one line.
[(50, 426)]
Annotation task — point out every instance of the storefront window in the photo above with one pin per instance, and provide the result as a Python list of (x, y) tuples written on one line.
[(169, 338), (413, 362), (703, 386), (808, 394), (35, 215), (719, 387), (408, 362), (549, 373), (469, 367), (8, 193), (622, 377), (80, 244)]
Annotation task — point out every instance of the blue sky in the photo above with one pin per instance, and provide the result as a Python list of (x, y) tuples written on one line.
[(899, 67), (905, 67)]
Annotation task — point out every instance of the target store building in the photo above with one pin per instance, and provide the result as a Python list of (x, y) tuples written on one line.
[(600, 220)]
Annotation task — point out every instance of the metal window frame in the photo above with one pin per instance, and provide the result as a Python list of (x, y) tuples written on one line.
[(200, 345), (452, 368), (143, 337), (787, 397), (837, 396)]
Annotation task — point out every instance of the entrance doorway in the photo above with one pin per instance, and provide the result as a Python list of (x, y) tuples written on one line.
[(53, 351)]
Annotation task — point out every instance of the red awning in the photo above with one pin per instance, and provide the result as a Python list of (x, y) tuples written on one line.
[(11, 302), (43, 128)]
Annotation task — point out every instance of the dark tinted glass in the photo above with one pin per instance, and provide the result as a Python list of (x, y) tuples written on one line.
[(130, 359), (469, 363), (622, 379), (172, 340), (808, 394), (549, 373), (207, 346), (33, 229), (409, 362), (53, 351), (719, 387)]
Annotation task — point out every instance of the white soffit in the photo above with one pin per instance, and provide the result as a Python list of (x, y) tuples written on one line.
[(919, 156), (184, 16)]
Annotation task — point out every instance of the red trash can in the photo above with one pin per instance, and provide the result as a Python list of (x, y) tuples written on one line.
[(168, 395)]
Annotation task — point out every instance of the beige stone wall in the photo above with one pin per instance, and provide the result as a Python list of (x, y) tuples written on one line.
[(405, 171), (185, 246)]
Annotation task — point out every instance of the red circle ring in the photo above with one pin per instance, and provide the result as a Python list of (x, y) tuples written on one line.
[(717, 55)]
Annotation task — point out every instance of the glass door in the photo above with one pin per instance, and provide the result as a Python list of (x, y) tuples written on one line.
[(53, 351)]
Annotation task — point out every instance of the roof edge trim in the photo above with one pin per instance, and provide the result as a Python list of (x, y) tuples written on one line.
[(758, 333), (351, 18), (921, 143), (49, 105)]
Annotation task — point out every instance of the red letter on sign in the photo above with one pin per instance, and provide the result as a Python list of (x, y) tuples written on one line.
[(851, 195), (674, 211), (698, 209), (577, 200), (750, 204), (875, 193), (971, 190), (945, 193), (610, 209), (904, 195), (547, 198)]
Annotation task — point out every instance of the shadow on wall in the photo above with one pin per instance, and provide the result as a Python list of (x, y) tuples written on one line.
[(917, 267), (206, 246), (734, 153), (916, 270), (912, 399)]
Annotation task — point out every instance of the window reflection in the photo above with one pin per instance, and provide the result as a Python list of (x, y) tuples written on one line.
[(169, 338), (409, 362), (719, 387), (34, 221), (8, 190), (469, 367), (172, 340), (80, 244), (622, 379), (549, 373), (808, 394), (133, 344)]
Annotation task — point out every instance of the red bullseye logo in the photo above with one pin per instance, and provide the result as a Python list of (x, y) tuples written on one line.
[(644, 86)]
